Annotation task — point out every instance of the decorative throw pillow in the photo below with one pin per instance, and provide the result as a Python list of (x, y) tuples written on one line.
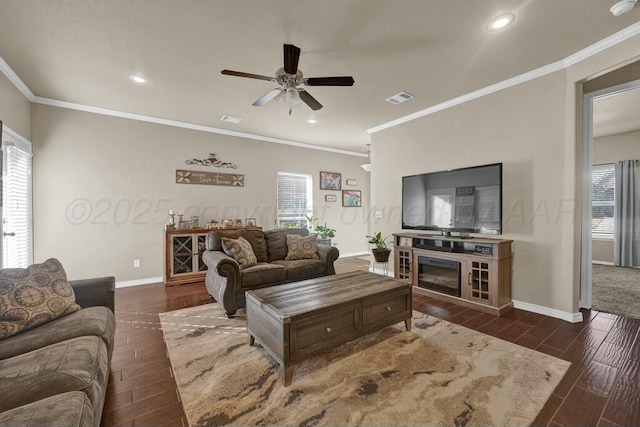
[(240, 250), (301, 247), (34, 295)]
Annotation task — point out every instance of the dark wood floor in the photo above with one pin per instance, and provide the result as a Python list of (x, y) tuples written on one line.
[(602, 387)]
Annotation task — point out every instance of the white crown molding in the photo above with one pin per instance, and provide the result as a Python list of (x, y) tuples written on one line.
[(184, 125), (594, 49), (547, 311), (588, 52), (17, 81), (139, 282), (606, 43), (539, 72)]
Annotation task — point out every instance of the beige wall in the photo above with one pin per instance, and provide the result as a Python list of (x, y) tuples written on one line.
[(103, 187), (534, 129), (15, 109), (611, 149), (519, 127)]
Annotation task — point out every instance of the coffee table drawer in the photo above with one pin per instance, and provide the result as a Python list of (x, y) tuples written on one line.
[(320, 332), (386, 309)]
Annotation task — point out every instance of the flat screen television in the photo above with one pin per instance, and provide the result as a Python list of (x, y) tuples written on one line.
[(467, 200)]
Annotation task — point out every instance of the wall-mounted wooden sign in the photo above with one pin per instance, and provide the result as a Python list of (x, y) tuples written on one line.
[(209, 178)]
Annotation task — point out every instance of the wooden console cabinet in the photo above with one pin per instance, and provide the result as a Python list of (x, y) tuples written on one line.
[(483, 265), (183, 255)]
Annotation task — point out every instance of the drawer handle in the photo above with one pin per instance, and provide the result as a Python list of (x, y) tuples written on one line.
[(388, 308), (327, 329)]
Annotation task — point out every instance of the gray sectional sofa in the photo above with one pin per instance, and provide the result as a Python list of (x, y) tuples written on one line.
[(227, 283), (56, 374)]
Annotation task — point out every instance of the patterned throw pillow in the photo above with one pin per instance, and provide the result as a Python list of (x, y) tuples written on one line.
[(34, 295), (301, 247), (240, 250)]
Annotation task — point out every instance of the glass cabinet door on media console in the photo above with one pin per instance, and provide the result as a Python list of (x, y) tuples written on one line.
[(183, 256), (480, 276), (403, 254)]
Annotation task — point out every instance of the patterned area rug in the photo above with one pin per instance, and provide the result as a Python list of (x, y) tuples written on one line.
[(616, 290), (437, 374)]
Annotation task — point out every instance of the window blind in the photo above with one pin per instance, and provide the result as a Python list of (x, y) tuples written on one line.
[(295, 199), (602, 205), (17, 249)]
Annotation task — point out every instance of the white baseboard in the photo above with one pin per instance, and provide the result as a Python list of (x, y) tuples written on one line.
[(381, 271), (354, 254), (551, 312), (602, 262), (138, 282)]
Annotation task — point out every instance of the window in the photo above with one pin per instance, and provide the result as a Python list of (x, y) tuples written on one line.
[(295, 199), (17, 243), (602, 206)]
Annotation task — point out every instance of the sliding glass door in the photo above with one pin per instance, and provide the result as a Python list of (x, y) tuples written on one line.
[(17, 228)]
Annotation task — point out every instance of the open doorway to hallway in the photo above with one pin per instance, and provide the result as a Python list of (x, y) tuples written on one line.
[(614, 202)]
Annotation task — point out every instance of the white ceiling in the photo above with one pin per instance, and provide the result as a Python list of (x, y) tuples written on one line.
[(82, 51), (615, 114)]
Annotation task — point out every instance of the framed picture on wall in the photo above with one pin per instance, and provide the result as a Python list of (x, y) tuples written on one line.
[(330, 198), (330, 181), (351, 198)]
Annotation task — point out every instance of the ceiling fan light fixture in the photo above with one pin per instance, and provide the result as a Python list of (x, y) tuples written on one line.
[(293, 97), (622, 7), (501, 21)]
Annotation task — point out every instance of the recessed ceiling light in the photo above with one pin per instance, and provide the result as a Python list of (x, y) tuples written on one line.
[(312, 121), (622, 7), (137, 78), (501, 21)]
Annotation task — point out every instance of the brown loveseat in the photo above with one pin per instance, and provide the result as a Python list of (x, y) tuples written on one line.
[(227, 283)]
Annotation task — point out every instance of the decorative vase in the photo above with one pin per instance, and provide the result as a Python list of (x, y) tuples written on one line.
[(324, 241), (381, 255)]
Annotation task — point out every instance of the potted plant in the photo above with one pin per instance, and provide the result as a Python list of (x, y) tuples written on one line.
[(325, 233), (380, 252)]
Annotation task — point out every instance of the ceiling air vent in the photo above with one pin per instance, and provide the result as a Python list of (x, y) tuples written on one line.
[(231, 119), (399, 98)]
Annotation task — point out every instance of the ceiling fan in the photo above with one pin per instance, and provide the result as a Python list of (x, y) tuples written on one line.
[(289, 78)]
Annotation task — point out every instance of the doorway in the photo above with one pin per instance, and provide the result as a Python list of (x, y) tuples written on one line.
[(17, 224), (611, 123)]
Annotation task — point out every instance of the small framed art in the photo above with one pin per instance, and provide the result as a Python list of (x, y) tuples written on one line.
[(184, 225), (330, 181), (351, 198), (226, 223), (330, 198), (250, 222), (352, 182)]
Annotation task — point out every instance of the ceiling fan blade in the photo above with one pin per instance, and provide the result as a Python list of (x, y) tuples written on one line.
[(330, 81), (249, 75), (309, 100), (291, 58), (268, 97)]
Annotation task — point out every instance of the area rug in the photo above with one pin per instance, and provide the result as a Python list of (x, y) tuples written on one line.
[(437, 374), (616, 290)]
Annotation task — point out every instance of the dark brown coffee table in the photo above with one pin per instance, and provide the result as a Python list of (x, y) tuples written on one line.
[(297, 320)]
